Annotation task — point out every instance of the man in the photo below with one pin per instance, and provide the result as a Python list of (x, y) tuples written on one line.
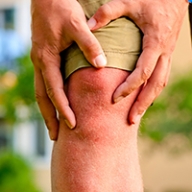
[(99, 154)]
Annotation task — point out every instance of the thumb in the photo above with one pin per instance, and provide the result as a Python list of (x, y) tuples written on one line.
[(107, 12), (91, 48)]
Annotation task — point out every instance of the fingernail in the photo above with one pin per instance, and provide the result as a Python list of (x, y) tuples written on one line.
[(100, 61), (68, 124), (118, 99), (91, 23), (52, 136)]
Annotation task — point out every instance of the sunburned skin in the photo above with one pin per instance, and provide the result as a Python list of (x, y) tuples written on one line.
[(100, 154)]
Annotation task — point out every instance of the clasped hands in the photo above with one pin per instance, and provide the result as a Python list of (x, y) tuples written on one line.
[(57, 24)]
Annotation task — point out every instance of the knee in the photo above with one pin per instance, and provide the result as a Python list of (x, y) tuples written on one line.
[(88, 83), (95, 84), (90, 95), (90, 92)]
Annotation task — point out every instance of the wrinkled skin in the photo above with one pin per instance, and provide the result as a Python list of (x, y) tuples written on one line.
[(160, 21), (56, 24)]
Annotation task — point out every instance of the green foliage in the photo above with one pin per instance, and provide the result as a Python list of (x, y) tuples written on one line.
[(171, 114), (15, 174), (17, 90)]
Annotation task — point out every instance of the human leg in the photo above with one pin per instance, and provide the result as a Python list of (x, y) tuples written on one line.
[(100, 154)]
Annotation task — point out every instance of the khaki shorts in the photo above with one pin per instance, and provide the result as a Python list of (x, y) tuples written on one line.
[(120, 39)]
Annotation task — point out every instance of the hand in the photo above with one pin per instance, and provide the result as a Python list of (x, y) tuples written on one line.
[(160, 21), (55, 25)]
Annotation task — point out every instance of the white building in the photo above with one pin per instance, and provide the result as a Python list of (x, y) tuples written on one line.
[(14, 29), (15, 14), (28, 138)]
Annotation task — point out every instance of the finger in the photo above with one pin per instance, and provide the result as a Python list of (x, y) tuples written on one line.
[(46, 107), (89, 45), (144, 68), (49, 64), (108, 12), (55, 90), (151, 90)]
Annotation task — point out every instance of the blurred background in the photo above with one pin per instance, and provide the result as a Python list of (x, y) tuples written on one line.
[(165, 136)]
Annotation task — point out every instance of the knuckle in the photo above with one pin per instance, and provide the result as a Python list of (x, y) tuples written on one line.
[(145, 73), (39, 97), (51, 92), (75, 22), (158, 40), (37, 55), (105, 12), (161, 84), (158, 87), (170, 49), (41, 56)]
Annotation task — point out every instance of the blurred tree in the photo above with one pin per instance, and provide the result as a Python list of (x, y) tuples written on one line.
[(17, 91), (15, 174), (171, 113)]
